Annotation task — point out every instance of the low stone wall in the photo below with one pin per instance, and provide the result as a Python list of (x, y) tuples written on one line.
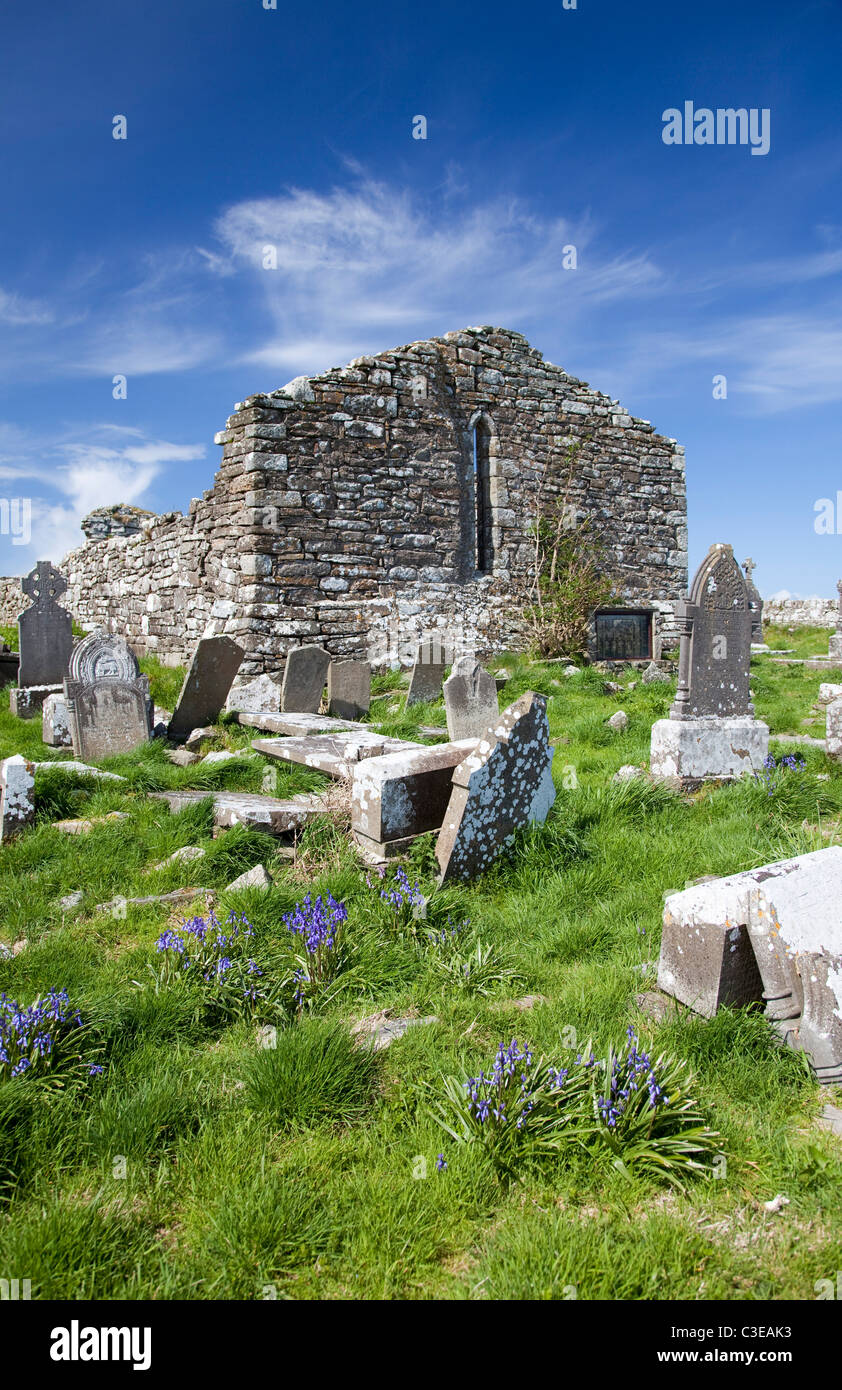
[(801, 612), (12, 601)]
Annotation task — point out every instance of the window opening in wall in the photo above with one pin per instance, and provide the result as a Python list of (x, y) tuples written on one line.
[(482, 497)]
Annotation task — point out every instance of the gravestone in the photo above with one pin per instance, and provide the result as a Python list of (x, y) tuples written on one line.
[(505, 783), (55, 723), (108, 702), (349, 689), (305, 674), (260, 694), (711, 732), (755, 604), (215, 663), (45, 630), (834, 645), (17, 796), (470, 700), (788, 913), (427, 672), (397, 796)]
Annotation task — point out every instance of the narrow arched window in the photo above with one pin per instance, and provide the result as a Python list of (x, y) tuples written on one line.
[(482, 497)]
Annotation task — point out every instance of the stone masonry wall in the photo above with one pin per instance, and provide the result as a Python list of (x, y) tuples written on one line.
[(801, 612), (344, 511)]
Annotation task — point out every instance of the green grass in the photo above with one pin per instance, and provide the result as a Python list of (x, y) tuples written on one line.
[(202, 1164)]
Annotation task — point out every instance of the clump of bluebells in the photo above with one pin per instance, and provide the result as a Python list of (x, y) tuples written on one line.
[(218, 962), (774, 771), (638, 1111), (319, 924), (39, 1036), (406, 900)]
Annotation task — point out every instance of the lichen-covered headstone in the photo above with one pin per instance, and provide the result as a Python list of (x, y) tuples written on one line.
[(215, 663), (711, 732), (55, 722), (17, 796), (470, 699), (305, 674), (45, 630), (262, 694), (107, 698), (349, 689), (427, 672), (505, 783)]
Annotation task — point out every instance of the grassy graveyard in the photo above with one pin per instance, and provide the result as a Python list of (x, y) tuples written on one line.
[(173, 1146)]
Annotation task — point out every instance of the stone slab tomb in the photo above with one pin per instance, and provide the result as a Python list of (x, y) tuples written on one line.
[(26, 702), (17, 796), (427, 672), (470, 699), (336, 754), (711, 732), (296, 725), (349, 688), (107, 698), (45, 630), (505, 783), (305, 674), (401, 795), (215, 663), (788, 912), (273, 815)]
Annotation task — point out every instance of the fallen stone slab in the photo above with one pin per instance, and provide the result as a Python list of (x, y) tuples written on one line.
[(81, 769), (86, 825), (297, 725), (118, 905), (214, 665), (787, 912), (26, 701), (335, 754), (400, 795), (252, 878), (266, 813), (505, 783), (380, 1030)]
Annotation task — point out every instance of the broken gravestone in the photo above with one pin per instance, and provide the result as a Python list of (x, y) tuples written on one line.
[(400, 795), (504, 784), (260, 694), (711, 732), (45, 630), (470, 699), (17, 797), (427, 672), (108, 702), (348, 689), (770, 934), (215, 663), (305, 674)]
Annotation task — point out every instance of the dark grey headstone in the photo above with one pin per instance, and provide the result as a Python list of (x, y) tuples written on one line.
[(349, 689), (427, 673), (470, 699), (215, 663), (45, 631), (305, 674), (715, 621)]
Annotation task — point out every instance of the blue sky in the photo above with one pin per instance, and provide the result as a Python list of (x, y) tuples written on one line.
[(293, 127)]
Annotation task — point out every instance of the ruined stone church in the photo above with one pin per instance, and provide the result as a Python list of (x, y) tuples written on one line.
[(391, 501)]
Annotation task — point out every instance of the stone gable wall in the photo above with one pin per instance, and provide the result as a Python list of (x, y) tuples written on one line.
[(343, 511)]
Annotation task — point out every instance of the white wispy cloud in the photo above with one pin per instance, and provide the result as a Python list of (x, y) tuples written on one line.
[(19, 312)]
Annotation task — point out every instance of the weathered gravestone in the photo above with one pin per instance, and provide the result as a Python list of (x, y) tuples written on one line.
[(755, 604), (711, 732), (107, 698), (45, 630), (397, 796), (834, 645), (772, 935), (427, 672), (260, 694), (17, 799), (504, 784), (55, 722), (349, 689), (305, 674), (215, 663), (470, 699), (833, 741)]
